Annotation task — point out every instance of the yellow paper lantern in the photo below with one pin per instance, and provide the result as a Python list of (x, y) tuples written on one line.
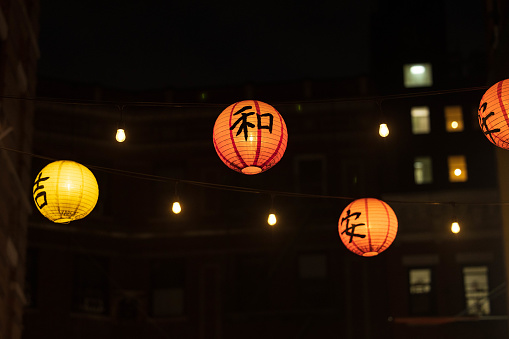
[(250, 136), (493, 114), (367, 226), (64, 191)]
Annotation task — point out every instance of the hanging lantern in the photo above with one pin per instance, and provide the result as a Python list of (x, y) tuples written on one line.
[(367, 226), (493, 114), (250, 136), (65, 191)]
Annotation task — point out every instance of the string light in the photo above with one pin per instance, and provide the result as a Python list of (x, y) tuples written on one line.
[(120, 136), (176, 208), (384, 130), (272, 220), (455, 227)]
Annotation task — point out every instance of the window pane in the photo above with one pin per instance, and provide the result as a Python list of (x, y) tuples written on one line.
[(453, 118), (417, 75), (475, 280), (421, 296), (423, 172), (457, 168), (420, 120)]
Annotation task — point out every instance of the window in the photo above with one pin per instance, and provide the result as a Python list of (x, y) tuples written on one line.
[(457, 168), (453, 118), (420, 120), (251, 269), (417, 75), (475, 279), (313, 280), (90, 285), (167, 288), (423, 171), (421, 292)]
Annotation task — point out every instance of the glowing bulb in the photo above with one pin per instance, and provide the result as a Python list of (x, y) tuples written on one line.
[(457, 172), (418, 69), (455, 227), (384, 130), (176, 207), (454, 124), (120, 135), (272, 219)]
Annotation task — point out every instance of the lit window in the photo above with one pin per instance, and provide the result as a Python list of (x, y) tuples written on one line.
[(420, 120), (423, 172), (417, 75), (453, 118), (475, 279), (421, 297), (457, 168)]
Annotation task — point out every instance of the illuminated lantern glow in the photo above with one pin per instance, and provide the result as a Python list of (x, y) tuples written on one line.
[(64, 191), (250, 136), (367, 226), (493, 114)]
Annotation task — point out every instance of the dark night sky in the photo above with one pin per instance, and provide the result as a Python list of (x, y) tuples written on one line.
[(183, 44)]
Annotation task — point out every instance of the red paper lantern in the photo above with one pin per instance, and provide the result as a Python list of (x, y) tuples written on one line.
[(367, 226), (250, 136), (493, 114)]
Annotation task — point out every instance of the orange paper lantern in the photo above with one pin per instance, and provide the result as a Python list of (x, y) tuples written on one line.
[(250, 136), (493, 114), (367, 226)]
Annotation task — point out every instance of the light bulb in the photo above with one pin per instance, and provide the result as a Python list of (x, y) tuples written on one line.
[(384, 130), (455, 227), (454, 124), (120, 135), (457, 172), (176, 207), (272, 219)]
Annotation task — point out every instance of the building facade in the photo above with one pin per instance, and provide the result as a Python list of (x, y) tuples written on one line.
[(217, 270), (18, 62)]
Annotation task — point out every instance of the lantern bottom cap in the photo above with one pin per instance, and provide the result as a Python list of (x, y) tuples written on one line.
[(63, 220), (251, 170), (369, 254)]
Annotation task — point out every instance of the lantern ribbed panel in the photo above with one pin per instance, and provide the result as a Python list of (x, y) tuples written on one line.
[(250, 136), (367, 226), (65, 191), (493, 114)]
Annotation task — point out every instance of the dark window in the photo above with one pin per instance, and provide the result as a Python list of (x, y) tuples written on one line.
[(90, 285), (168, 279), (313, 275)]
